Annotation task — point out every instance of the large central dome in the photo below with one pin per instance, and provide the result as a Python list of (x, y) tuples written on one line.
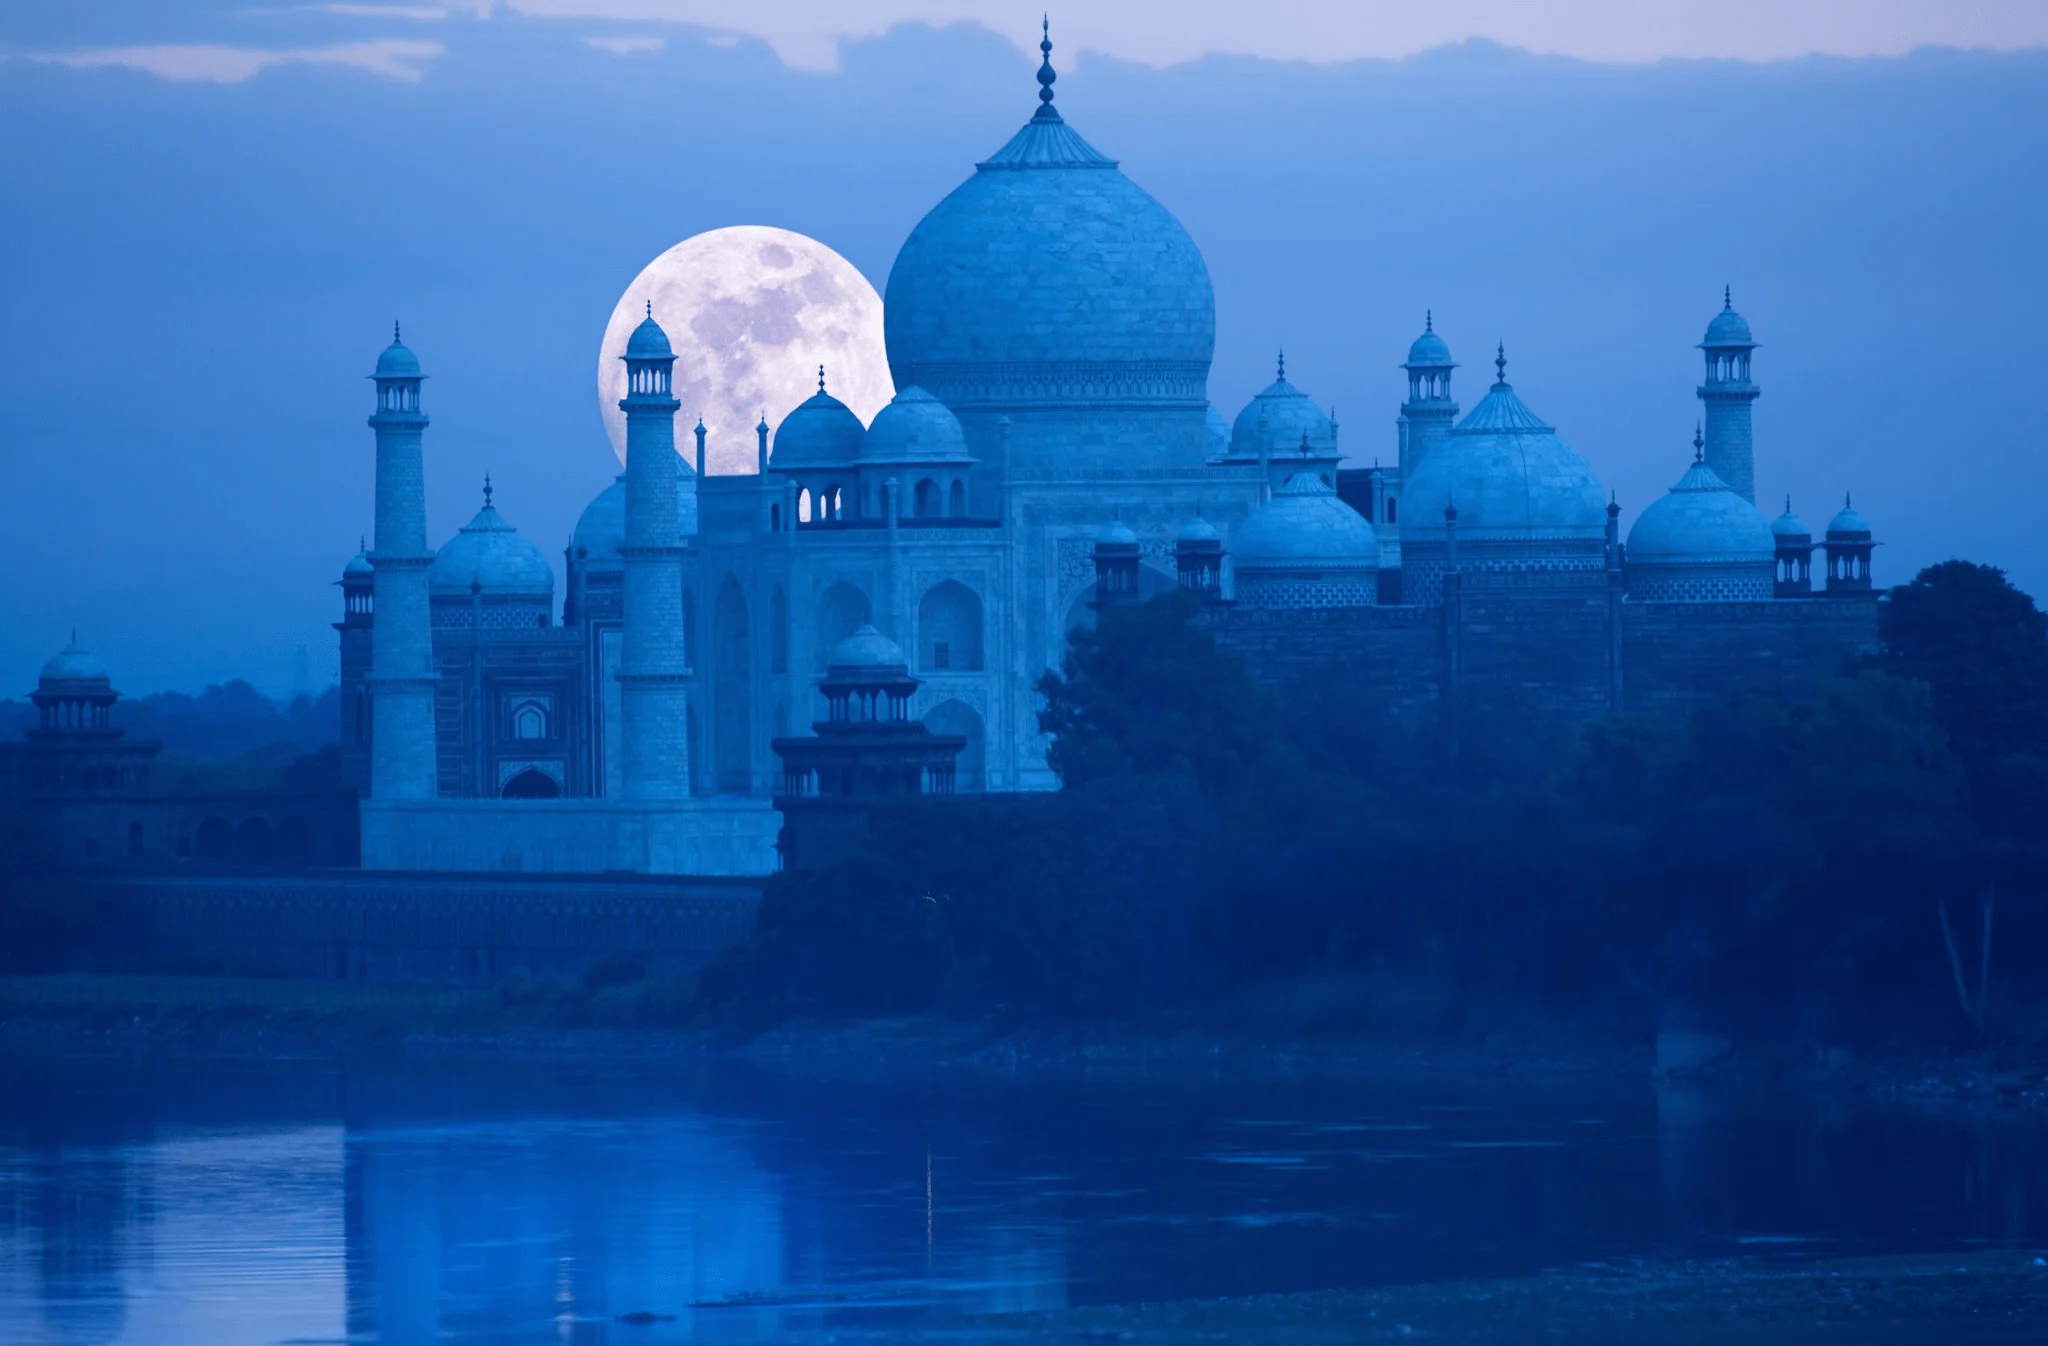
[(1049, 276)]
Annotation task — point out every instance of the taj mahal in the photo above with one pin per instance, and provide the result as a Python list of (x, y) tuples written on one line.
[(1050, 451)]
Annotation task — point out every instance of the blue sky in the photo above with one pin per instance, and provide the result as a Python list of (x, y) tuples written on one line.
[(215, 212)]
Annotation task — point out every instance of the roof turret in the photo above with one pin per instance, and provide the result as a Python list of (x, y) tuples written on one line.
[(74, 669), (1848, 526), (1728, 328), (1429, 350), (1789, 526), (648, 341), (397, 362), (866, 652), (358, 570)]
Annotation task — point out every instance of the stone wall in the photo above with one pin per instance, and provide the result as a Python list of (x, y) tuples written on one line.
[(444, 929), (1677, 655), (724, 835)]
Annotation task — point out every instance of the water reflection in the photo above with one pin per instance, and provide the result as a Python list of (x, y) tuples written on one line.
[(171, 1202)]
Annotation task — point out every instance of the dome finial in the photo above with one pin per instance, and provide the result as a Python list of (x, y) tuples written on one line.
[(487, 490), (650, 310), (1046, 74), (1727, 298), (1304, 443), (394, 331), (1847, 503), (1283, 363), (1500, 365), (1699, 444), (1428, 321), (821, 378), (1788, 502)]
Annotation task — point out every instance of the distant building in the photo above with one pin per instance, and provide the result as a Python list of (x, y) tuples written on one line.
[(89, 791)]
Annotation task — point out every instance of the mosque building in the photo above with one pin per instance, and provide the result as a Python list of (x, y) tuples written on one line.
[(1050, 451)]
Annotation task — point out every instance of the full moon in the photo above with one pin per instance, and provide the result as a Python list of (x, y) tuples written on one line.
[(752, 312)]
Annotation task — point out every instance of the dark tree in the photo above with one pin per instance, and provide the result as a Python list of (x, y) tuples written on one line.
[(1148, 690)]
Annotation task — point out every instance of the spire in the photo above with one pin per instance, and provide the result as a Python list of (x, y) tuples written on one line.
[(1304, 443), (487, 490), (1428, 321), (650, 310), (1500, 365), (1283, 365), (821, 380), (1788, 502), (1046, 74), (1727, 298), (1699, 443), (394, 331)]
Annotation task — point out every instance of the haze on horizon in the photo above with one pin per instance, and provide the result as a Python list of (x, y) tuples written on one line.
[(222, 209)]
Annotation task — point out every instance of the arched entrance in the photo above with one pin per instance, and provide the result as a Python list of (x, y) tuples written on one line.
[(949, 629), (530, 784), (732, 691), (970, 769), (842, 609)]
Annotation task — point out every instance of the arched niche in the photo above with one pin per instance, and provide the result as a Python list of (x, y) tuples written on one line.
[(949, 629)]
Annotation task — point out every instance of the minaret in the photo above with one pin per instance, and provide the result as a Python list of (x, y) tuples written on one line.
[(1429, 412), (1728, 393), (653, 726), (402, 676)]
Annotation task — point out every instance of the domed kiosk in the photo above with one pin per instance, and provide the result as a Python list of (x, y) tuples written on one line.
[(1305, 548), (1700, 543), (1525, 500), (1049, 281)]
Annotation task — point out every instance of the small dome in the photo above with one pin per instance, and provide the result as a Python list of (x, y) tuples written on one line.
[(1216, 433), (1848, 526), (1285, 416), (1429, 350), (648, 341), (868, 651), (602, 527), (1198, 529), (1700, 522), (1305, 527), (822, 432), (1511, 477), (358, 567), (74, 664), (914, 427), (489, 552), (1728, 327), (1790, 526), (1116, 533), (397, 362)]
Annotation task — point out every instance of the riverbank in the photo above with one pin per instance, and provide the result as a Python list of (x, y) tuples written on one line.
[(633, 1020), (1979, 1298)]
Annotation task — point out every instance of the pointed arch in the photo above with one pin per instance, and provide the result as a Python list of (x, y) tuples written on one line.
[(970, 770), (924, 499), (530, 784), (949, 629), (956, 503), (732, 691), (842, 609), (778, 631)]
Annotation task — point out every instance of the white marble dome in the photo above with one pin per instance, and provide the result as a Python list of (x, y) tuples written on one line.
[(1512, 479), (1305, 548), (490, 554), (602, 527), (914, 428), (1701, 543), (1280, 420)]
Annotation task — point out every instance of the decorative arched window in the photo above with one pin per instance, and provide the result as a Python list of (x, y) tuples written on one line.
[(530, 720)]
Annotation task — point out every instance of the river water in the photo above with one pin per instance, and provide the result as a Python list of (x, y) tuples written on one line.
[(158, 1201)]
